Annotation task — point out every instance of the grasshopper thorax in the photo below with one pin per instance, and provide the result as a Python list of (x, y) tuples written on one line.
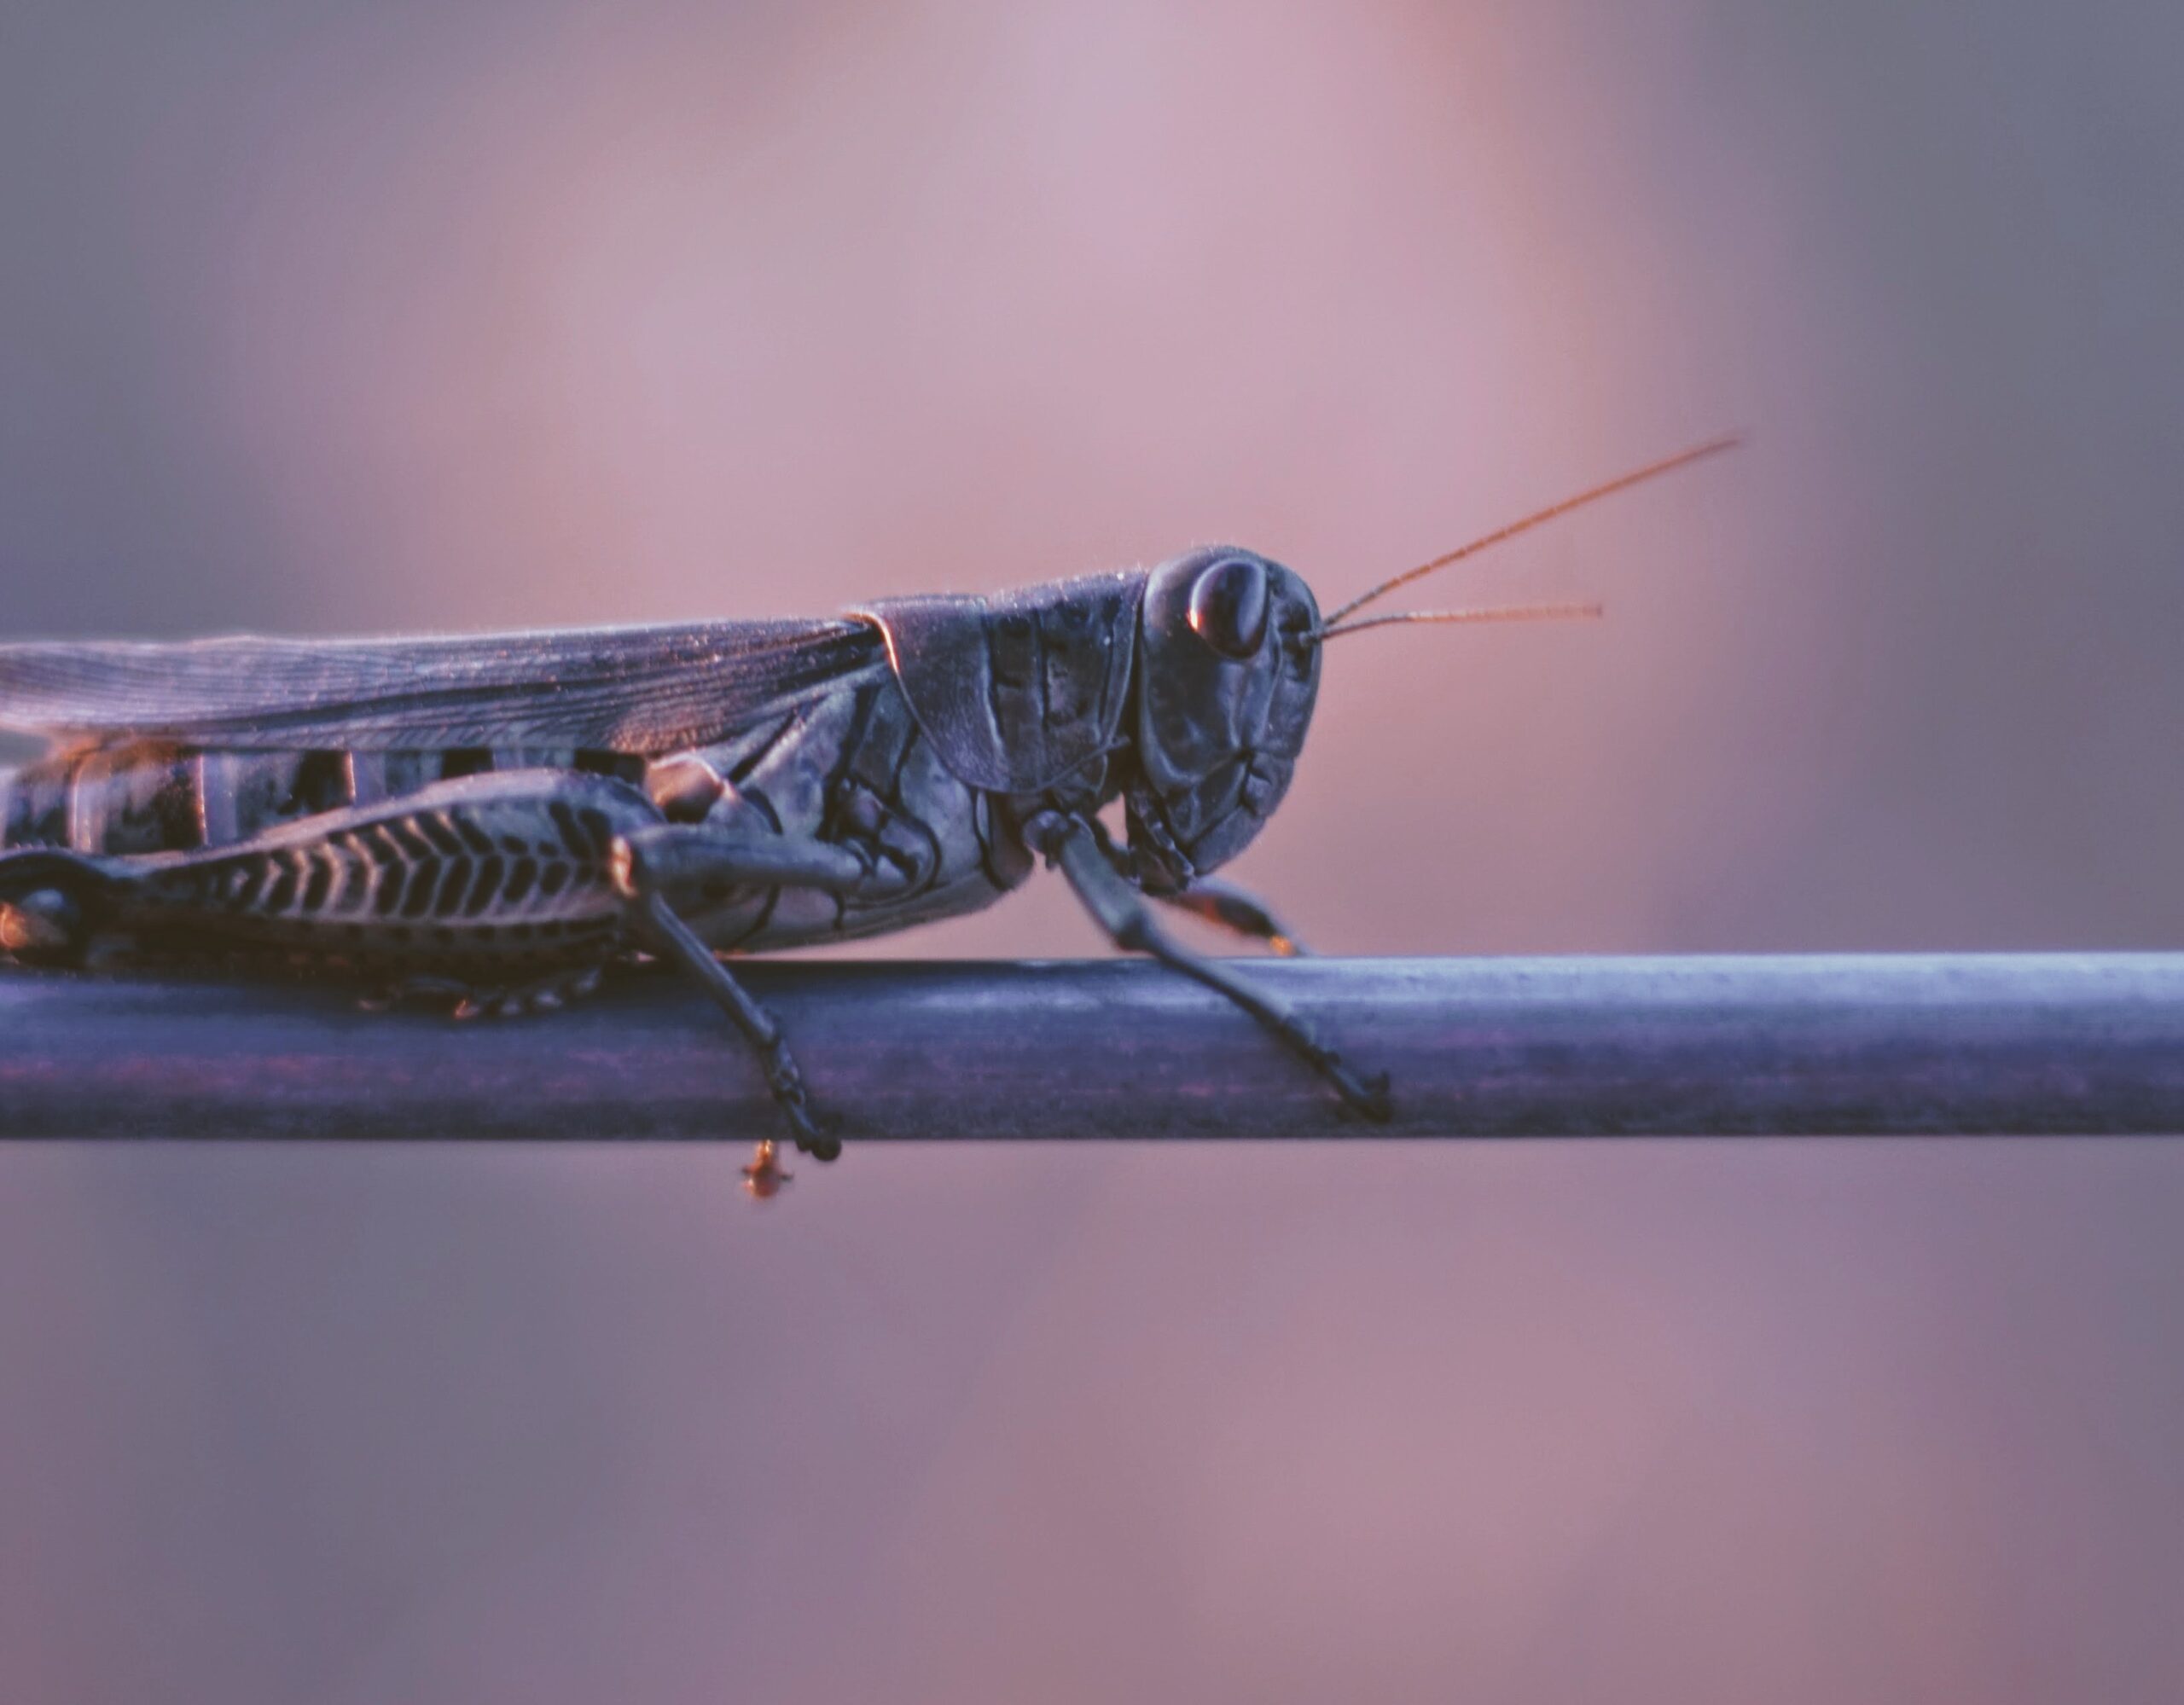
[(1227, 667)]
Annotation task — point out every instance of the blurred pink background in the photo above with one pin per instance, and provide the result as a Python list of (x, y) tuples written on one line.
[(338, 315)]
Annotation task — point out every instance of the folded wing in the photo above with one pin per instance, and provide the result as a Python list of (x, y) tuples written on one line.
[(644, 690)]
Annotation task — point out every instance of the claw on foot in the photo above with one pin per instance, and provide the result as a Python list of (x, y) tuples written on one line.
[(1363, 1093), (1367, 1093), (1377, 1104), (787, 1083), (810, 1138)]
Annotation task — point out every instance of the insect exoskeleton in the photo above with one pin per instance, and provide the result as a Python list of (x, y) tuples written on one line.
[(489, 819)]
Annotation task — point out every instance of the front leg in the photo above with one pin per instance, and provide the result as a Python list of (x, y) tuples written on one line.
[(1122, 911), (1215, 901), (1238, 909)]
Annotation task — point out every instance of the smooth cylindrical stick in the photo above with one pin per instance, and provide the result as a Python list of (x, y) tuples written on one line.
[(2049, 1043)]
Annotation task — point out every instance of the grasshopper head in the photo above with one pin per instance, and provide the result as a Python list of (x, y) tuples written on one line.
[(1227, 664), (1228, 661)]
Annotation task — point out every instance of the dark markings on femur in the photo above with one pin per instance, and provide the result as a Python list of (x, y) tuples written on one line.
[(458, 761), (417, 895), (383, 849), (453, 886), (282, 894), (423, 888), (355, 875), (402, 831), (554, 879), (320, 884), (243, 885), (522, 874), (473, 837), (515, 844), (435, 828), (491, 869)]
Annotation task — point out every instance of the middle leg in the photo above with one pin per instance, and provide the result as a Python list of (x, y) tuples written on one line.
[(1216, 901), (659, 869)]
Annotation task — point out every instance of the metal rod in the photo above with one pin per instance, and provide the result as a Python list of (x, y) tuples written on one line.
[(2047, 1043)]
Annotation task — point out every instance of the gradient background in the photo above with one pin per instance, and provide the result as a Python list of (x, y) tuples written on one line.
[(348, 315)]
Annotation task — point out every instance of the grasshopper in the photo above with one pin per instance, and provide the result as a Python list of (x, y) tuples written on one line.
[(490, 821)]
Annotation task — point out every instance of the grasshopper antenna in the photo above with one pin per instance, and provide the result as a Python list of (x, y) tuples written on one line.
[(1681, 459), (1505, 612)]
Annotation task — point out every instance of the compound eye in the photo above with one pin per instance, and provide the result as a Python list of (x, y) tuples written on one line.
[(1228, 607)]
